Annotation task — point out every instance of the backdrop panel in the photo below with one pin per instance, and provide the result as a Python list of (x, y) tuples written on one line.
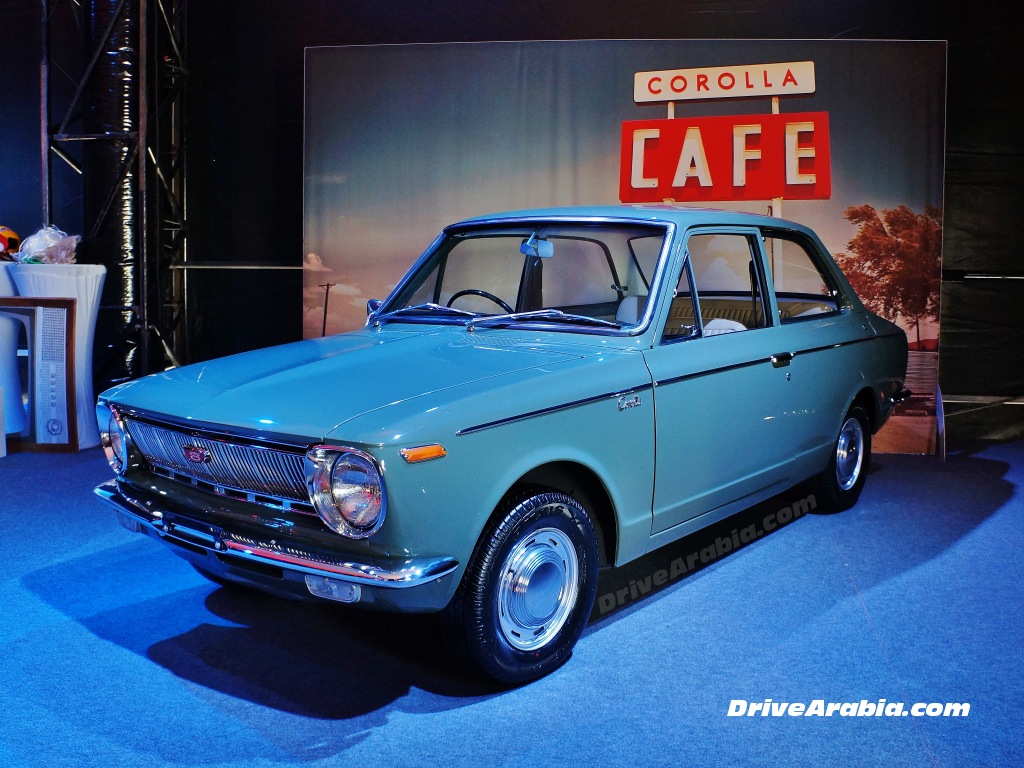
[(401, 140)]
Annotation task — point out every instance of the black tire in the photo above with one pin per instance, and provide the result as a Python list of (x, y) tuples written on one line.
[(840, 483), (528, 589)]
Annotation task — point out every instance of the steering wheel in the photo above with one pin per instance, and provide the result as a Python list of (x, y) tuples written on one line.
[(485, 294)]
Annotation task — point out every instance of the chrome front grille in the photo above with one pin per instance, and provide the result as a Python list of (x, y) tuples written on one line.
[(226, 465)]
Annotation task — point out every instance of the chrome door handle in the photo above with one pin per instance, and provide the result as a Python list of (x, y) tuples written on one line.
[(781, 359)]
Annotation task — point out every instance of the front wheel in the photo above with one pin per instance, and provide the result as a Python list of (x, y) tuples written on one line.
[(529, 588), (840, 484)]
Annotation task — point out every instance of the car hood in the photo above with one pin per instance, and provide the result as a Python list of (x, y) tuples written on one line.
[(306, 389)]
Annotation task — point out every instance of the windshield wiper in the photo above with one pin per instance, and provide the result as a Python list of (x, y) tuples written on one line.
[(544, 315), (428, 308)]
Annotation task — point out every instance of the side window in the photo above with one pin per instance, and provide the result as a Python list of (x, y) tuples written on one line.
[(802, 287), (729, 289)]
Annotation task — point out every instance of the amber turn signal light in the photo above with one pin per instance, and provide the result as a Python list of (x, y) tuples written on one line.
[(423, 453)]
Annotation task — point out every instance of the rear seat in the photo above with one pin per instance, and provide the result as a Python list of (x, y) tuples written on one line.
[(681, 313)]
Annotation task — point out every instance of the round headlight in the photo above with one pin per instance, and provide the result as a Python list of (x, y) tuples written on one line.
[(347, 491), (113, 437), (355, 486)]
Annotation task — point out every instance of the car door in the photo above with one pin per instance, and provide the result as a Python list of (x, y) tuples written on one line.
[(720, 381), (819, 329)]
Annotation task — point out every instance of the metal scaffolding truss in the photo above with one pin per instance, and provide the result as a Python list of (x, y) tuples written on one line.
[(112, 95)]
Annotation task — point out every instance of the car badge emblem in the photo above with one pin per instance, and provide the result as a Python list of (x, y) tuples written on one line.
[(197, 454), (629, 401)]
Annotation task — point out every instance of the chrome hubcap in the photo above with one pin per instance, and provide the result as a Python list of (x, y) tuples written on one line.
[(538, 588), (849, 453)]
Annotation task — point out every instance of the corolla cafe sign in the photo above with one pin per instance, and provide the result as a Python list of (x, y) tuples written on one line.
[(735, 157)]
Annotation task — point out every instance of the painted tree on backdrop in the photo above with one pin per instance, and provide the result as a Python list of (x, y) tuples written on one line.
[(894, 262)]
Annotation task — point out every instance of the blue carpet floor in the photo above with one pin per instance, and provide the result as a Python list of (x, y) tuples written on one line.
[(113, 652)]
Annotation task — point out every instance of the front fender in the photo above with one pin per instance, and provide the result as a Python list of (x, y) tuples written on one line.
[(442, 505)]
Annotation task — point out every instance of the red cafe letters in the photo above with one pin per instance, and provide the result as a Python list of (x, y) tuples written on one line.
[(737, 157)]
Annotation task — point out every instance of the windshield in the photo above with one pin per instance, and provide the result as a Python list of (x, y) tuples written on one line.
[(594, 277)]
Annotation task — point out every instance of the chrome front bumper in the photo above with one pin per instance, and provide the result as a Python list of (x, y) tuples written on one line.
[(283, 568)]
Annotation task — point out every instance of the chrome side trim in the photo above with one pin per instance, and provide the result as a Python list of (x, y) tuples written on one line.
[(616, 395), (761, 361), (660, 383), (147, 517), (838, 345), (710, 371)]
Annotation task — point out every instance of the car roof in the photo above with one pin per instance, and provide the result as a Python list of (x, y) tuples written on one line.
[(675, 214)]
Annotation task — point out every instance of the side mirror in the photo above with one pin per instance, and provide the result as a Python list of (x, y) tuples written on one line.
[(537, 247), (372, 306)]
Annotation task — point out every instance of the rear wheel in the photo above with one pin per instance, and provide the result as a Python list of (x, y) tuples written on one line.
[(841, 482), (529, 588)]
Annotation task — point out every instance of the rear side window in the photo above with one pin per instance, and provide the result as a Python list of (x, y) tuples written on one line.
[(803, 287)]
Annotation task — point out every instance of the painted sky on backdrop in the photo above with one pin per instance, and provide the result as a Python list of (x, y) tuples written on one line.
[(401, 140)]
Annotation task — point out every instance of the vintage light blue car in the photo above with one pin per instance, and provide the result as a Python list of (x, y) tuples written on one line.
[(544, 394)]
